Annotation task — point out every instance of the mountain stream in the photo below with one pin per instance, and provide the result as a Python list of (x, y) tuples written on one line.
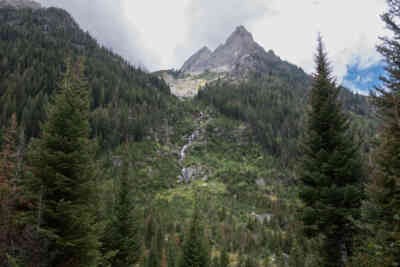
[(186, 174)]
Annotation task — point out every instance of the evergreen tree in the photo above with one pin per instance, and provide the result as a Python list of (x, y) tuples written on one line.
[(150, 231), (62, 166), (215, 261), (224, 259), (195, 253), (250, 262), (331, 170), (122, 233), (8, 191), (384, 189), (172, 251), (155, 255)]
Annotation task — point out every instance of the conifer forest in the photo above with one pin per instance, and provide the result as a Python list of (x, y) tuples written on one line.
[(103, 164)]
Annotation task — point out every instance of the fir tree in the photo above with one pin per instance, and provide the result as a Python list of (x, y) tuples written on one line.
[(150, 231), (195, 253), (331, 170), (224, 259), (215, 261), (122, 233), (8, 191), (155, 255), (250, 262), (172, 251), (62, 166), (384, 189)]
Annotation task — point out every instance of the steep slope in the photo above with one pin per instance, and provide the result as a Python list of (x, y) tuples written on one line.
[(196, 62), (19, 4), (126, 102)]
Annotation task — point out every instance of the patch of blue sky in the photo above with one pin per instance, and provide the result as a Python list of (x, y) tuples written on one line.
[(363, 80)]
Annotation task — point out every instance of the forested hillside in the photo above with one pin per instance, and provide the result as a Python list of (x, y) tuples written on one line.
[(125, 101), (275, 107), (100, 165)]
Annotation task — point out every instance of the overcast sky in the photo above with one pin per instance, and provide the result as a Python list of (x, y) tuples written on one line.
[(161, 34)]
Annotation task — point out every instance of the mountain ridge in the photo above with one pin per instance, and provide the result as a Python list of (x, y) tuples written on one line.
[(238, 55), (235, 60), (20, 4)]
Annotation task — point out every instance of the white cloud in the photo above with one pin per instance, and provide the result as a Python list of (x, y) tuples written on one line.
[(209, 22), (106, 21), (162, 34), (350, 30)]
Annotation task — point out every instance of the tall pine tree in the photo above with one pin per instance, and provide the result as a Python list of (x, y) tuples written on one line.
[(122, 232), (331, 170), (384, 189), (8, 191), (62, 166), (195, 253)]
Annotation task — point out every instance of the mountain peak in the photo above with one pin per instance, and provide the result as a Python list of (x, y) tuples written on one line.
[(205, 49), (239, 55), (240, 33), (241, 30), (20, 4), (195, 62)]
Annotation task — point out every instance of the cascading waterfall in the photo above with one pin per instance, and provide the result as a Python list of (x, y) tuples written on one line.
[(185, 177)]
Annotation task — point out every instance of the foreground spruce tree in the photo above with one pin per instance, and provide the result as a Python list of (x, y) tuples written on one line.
[(331, 170), (384, 189), (121, 236), (8, 192), (224, 258), (62, 175), (195, 253)]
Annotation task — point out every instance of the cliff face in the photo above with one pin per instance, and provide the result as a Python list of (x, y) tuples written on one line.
[(19, 4), (237, 56), (198, 61)]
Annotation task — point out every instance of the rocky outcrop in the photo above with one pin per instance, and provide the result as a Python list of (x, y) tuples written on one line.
[(198, 61), (239, 55), (19, 4), (183, 87), (232, 61)]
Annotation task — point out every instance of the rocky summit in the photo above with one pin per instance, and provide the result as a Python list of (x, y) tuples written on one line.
[(233, 60), (19, 4), (237, 56)]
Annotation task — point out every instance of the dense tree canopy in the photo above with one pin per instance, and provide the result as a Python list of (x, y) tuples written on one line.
[(385, 179), (125, 101)]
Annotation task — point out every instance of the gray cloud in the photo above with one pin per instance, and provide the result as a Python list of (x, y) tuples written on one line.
[(105, 21), (210, 22)]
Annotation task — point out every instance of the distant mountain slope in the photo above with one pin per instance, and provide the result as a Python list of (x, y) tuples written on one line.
[(126, 102), (244, 82), (275, 107)]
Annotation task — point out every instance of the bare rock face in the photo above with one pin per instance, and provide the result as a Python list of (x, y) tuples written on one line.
[(198, 60), (19, 4), (237, 56), (238, 47), (232, 61)]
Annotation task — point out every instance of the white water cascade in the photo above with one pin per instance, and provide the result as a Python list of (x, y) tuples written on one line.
[(185, 173)]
